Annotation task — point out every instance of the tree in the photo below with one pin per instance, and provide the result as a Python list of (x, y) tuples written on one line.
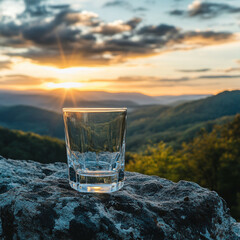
[(211, 159)]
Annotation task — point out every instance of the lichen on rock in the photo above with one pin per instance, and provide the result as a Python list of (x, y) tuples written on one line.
[(36, 202)]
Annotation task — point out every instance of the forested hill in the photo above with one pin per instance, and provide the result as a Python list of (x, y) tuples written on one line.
[(161, 118), (210, 159), (146, 124), (30, 146), (181, 122), (37, 120)]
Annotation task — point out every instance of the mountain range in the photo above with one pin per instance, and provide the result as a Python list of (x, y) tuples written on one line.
[(56, 99), (182, 122), (146, 124)]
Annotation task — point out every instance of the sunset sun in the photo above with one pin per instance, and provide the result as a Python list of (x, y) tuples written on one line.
[(66, 85)]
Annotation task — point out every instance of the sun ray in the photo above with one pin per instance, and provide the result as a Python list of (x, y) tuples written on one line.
[(66, 91), (61, 50), (62, 100), (73, 98)]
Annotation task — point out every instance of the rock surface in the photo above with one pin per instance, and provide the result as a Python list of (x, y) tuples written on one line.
[(36, 202)]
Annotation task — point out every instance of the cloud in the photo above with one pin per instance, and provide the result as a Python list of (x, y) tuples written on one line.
[(85, 50), (232, 69), (29, 3), (81, 38), (205, 10), (146, 79), (37, 11), (134, 22), (23, 80), (5, 64), (60, 6), (186, 79), (84, 18), (140, 9), (112, 28), (118, 3), (218, 76), (153, 79), (9, 29), (126, 5), (160, 30), (205, 38), (193, 70), (128, 79), (176, 80), (177, 12), (149, 82), (62, 26), (116, 27), (35, 8)]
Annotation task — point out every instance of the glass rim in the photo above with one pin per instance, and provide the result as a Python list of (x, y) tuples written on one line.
[(69, 109)]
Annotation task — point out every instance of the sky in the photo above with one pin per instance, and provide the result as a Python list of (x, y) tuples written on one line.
[(149, 46)]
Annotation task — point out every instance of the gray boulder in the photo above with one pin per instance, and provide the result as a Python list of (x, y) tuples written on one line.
[(36, 202)]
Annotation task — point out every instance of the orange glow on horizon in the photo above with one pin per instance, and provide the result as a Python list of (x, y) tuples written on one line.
[(66, 85)]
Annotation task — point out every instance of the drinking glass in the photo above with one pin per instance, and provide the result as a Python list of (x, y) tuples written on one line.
[(95, 143)]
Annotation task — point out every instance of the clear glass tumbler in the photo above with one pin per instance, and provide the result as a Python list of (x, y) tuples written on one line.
[(95, 142)]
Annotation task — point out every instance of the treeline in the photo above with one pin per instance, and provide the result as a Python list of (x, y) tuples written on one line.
[(171, 124), (211, 159), (181, 123), (30, 146)]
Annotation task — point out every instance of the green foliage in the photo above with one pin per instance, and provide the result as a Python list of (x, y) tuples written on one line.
[(211, 159), (27, 118), (158, 160), (180, 123), (19, 145), (146, 124)]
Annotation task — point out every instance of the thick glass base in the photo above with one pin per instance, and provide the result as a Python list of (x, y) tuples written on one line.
[(96, 181), (96, 188)]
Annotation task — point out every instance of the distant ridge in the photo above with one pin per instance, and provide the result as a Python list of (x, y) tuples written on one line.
[(146, 124), (174, 100), (58, 98), (56, 102), (169, 123)]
